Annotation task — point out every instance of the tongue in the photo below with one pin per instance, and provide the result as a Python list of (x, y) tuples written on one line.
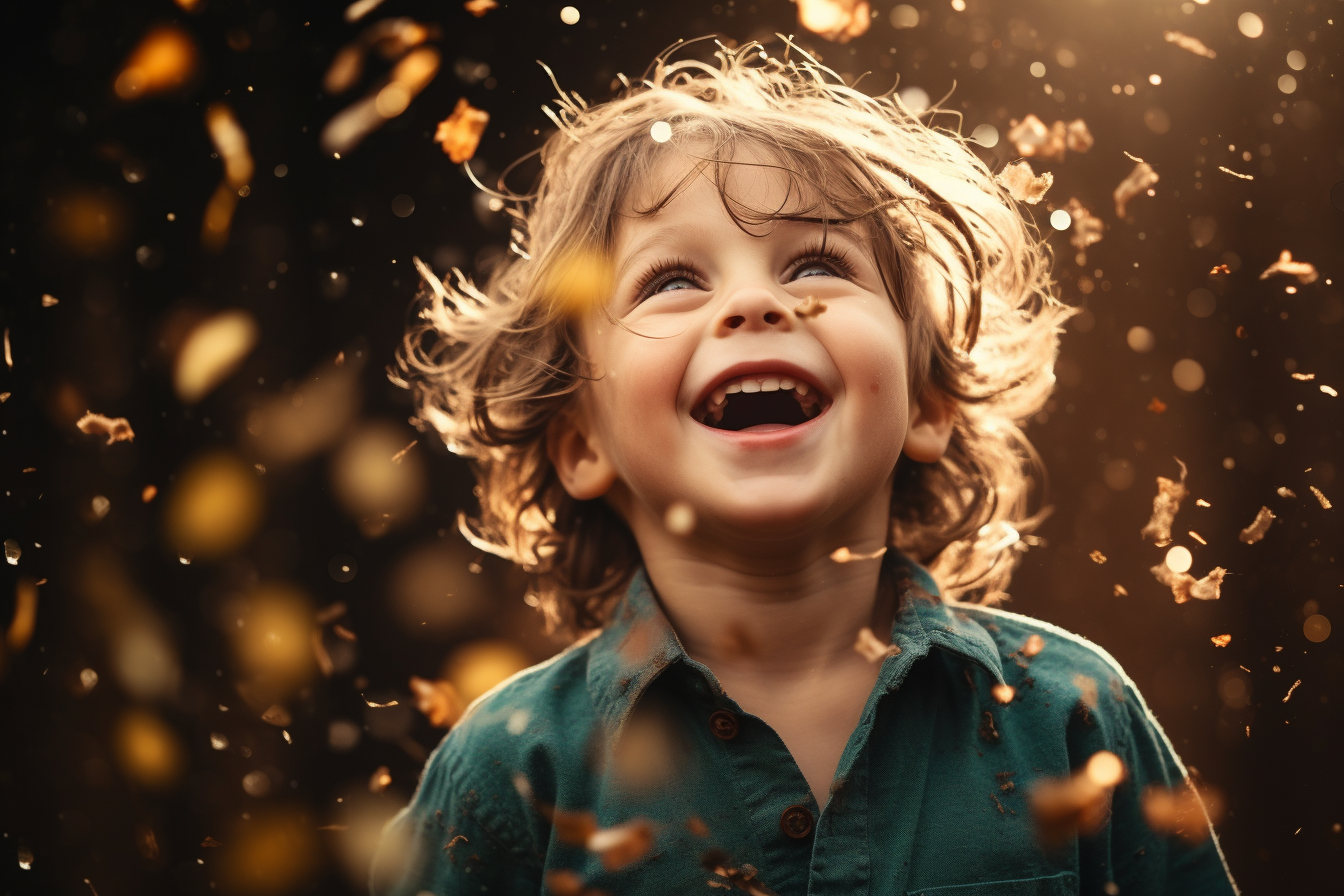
[(766, 427)]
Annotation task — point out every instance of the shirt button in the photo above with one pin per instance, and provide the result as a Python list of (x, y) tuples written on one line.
[(796, 821), (724, 724)]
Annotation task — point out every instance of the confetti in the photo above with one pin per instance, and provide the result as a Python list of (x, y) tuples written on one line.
[(396, 458), (1290, 690), (837, 20), (1034, 645), (1087, 227), (360, 8), (48, 300), (845, 555), (1120, 591), (1196, 536), (1165, 506), (1221, 640), (164, 59), (211, 352), (1325, 502), (1185, 587), (117, 429), (380, 779), (1003, 693), (1181, 811), (1032, 139), (373, 705), (278, 716), (1236, 173), (621, 845), (231, 143), (1304, 377), (25, 613), (479, 8), (809, 307), (1329, 391), (1135, 183), (873, 648), (460, 133), (680, 518), (1186, 42), (438, 700), (1157, 405), (12, 552), (1024, 185), (1258, 527), (1097, 557), (1200, 502), (1304, 271), (1284, 491), (385, 101), (1220, 269), (1063, 809), (9, 352)]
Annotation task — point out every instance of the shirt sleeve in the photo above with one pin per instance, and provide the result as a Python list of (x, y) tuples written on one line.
[(445, 842), (1186, 860)]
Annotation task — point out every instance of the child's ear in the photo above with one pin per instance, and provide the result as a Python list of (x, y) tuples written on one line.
[(578, 456), (931, 418)]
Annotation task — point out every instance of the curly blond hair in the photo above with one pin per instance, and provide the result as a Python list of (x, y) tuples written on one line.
[(492, 366)]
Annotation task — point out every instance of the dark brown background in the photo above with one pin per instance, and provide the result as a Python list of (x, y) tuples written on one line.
[(62, 795)]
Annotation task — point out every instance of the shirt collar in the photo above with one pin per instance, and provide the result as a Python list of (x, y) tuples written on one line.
[(639, 643)]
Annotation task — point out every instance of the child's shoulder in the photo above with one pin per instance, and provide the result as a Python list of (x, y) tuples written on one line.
[(1045, 647)]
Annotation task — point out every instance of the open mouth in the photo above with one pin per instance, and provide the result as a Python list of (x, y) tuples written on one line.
[(760, 403)]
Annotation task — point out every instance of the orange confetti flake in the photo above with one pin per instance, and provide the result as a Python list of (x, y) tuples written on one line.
[(117, 429), (1258, 527), (478, 8), (380, 779), (1236, 173), (845, 555), (1186, 42), (1097, 557), (622, 845), (1063, 809), (1087, 228), (1304, 271), (148, 493), (1135, 183), (438, 700), (1157, 405), (396, 458), (1221, 640), (165, 58), (809, 307), (1183, 811), (48, 300), (837, 20), (1120, 591), (1320, 496), (1023, 184), (1219, 269), (460, 133), (1004, 693), (1185, 587), (1288, 695), (1035, 644), (1166, 503)]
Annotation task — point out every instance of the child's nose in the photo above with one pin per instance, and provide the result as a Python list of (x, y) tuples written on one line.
[(753, 308)]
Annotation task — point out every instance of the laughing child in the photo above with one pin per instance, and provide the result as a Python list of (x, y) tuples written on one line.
[(744, 403)]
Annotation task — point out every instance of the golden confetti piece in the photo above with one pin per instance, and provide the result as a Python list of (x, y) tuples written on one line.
[(23, 623), (1200, 502), (9, 353), (1258, 527), (1196, 536), (1120, 591), (4, 396), (1291, 689), (1034, 645), (1185, 587), (1305, 377), (360, 8), (1236, 173), (117, 429), (385, 101), (214, 507), (809, 307), (231, 144), (278, 716), (837, 20), (872, 648), (330, 613), (479, 8), (1087, 228), (343, 633), (148, 493), (1325, 502), (1003, 693), (147, 749), (1284, 491), (438, 700), (49, 300), (1023, 184), (1186, 42), (1304, 271), (396, 458), (1135, 183), (460, 133), (320, 654), (1064, 808), (1165, 506), (621, 845), (164, 59), (1221, 640), (1132, 157), (1219, 270), (371, 704), (845, 555), (680, 518), (1329, 391), (1097, 557), (211, 352), (1184, 812), (380, 779)]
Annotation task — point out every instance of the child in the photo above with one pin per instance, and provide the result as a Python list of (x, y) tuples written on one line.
[(760, 354)]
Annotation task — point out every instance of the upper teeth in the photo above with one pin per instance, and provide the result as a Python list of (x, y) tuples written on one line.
[(757, 384)]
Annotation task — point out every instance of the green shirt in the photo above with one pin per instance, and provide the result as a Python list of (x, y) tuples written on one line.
[(931, 794)]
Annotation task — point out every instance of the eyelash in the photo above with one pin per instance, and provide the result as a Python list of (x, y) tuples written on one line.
[(681, 267)]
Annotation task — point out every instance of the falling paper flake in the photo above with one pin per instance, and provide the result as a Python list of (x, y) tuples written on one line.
[(1135, 183), (1325, 502), (621, 845), (1157, 405), (838, 20), (360, 8), (1305, 377), (1196, 536), (1034, 645), (1200, 502), (1120, 591), (231, 144), (1284, 491), (211, 352), (1097, 557), (1221, 640), (1219, 269), (1258, 527), (1236, 173), (1183, 812), (1304, 271), (1065, 808), (460, 133), (385, 101), (370, 703), (396, 458), (872, 648), (809, 307), (164, 59), (438, 700), (9, 353), (1165, 505), (1329, 391), (1087, 227), (1186, 587), (278, 716), (1033, 139), (1023, 184), (379, 780), (845, 555), (1186, 42), (12, 552), (479, 8), (117, 429), (49, 300), (1291, 689)]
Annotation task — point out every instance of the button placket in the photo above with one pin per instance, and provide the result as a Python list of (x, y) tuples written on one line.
[(723, 724)]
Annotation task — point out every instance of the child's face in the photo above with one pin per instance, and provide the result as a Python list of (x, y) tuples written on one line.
[(693, 400)]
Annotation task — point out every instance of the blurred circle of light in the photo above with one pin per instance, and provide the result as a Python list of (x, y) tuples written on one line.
[(432, 592), (215, 507), (343, 735), (403, 205), (661, 132), (916, 99), (1188, 375), (1060, 219), (145, 661), (256, 783), (1287, 83), (1316, 628), (904, 16), (1250, 24), (1141, 339), (211, 352), (281, 170), (1038, 69), (1201, 302), (1297, 60), (274, 641), (959, 5), (270, 853), (342, 568), (477, 666), (1234, 689), (1066, 57), (374, 489), (569, 15), (986, 135), (1179, 559), (148, 750), (1154, 79), (1118, 474)]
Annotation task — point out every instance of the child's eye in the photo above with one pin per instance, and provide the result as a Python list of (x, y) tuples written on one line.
[(673, 284), (814, 269), (829, 263), (672, 277)]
